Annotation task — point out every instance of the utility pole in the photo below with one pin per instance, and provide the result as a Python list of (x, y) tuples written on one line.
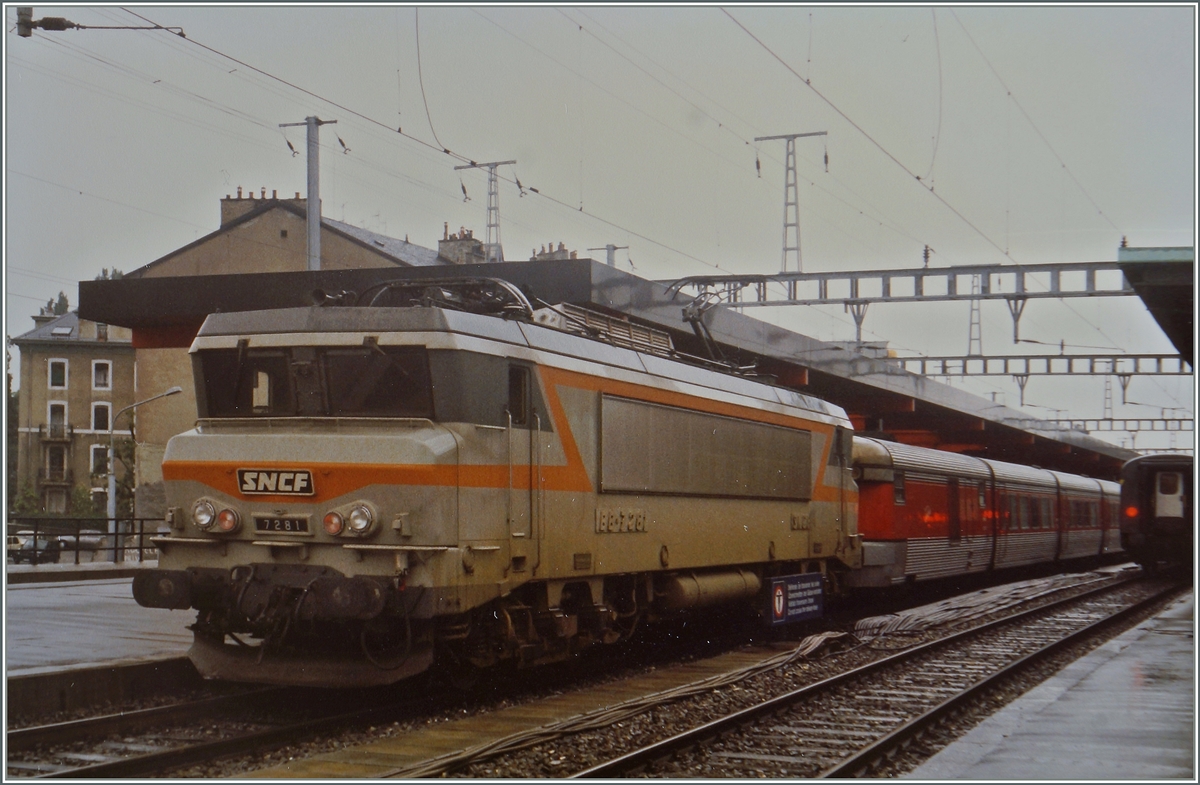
[(492, 250), (611, 255), (313, 200), (791, 205)]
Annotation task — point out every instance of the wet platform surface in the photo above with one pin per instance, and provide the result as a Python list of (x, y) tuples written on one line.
[(81, 623), (1125, 711)]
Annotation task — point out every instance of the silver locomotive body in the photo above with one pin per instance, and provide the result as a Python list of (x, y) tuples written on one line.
[(369, 490)]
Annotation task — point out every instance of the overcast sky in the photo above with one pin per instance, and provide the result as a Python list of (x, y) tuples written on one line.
[(1046, 134)]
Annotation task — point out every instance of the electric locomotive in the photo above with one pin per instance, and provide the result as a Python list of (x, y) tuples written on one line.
[(438, 472)]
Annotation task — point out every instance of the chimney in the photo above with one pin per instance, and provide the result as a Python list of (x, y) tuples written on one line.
[(461, 248)]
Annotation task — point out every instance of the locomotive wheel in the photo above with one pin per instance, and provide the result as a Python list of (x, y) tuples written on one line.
[(459, 675)]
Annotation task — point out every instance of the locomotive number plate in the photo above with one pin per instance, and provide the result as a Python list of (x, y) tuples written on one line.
[(281, 525)]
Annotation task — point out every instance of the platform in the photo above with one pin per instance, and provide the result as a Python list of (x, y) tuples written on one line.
[(1125, 711), (78, 623)]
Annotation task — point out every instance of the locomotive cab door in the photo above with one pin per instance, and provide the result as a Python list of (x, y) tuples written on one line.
[(524, 454)]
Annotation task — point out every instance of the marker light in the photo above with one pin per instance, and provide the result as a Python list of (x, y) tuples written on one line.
[(333, 523), (1131, 512), (228, 521), (361, 519), (203, 514)]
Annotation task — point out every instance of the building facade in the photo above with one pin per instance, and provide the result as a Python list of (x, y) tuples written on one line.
[(76, 375)]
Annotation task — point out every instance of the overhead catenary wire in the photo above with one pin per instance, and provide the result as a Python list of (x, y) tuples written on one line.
[(421, 80), (900, 164), (539, 192), (1032, 124)]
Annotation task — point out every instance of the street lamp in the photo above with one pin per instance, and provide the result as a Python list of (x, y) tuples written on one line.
[(112, 477)]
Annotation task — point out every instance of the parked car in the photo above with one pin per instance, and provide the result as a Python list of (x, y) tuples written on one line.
[(39, 550), (14, 545)]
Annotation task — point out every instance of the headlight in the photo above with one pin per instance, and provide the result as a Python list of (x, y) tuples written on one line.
[(228, 521), (333, 523), (203, 514), (360, 519)]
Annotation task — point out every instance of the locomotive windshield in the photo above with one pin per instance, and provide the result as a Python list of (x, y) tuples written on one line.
[(359, 381)]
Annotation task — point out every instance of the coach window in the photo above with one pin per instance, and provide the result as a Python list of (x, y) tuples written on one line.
[(518, 394), (982, 495), (898, 488)]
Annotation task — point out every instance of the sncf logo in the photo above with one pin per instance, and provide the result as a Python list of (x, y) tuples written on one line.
[(297, 483)]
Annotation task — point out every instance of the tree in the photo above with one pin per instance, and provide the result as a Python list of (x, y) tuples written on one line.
[(61, 306), (83, 504), (105, 275), (25, 501)]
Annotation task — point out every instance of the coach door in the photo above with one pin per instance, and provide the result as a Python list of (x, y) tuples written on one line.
[(954, 511), (1168, 495)]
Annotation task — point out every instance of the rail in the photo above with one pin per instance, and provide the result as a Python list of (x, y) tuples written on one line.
[(872, 732), (50, 538)]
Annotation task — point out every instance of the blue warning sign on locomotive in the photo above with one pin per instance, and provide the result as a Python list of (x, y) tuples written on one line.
[(796, 598)]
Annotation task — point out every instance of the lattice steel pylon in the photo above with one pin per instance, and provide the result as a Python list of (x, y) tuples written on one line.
[(492, 251), (791, 203), (975, 330)]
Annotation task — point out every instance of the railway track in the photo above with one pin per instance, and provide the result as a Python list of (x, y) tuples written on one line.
[(847, 725), (161, 739), (578, 728), (170, 739)]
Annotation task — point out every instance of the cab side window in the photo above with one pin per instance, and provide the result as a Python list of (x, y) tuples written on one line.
[(518, 394)]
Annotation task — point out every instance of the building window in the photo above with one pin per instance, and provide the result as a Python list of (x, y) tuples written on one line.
[(283, 233), (101, 331), (100, 413), (99, 459), (58, 374), (101, 375)]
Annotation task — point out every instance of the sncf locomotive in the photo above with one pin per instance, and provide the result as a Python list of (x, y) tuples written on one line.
[(446, 474), (440, 472)]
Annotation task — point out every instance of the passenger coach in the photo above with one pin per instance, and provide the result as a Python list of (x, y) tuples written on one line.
[(926, 514)]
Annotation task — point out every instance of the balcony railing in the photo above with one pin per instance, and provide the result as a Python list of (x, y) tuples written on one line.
[(59, 432), (56, 476)]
